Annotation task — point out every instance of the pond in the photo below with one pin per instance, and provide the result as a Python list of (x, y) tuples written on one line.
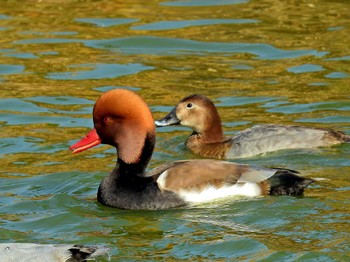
[(280, 62)]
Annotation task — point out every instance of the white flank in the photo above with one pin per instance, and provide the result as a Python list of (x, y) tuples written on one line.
[(161, 179), (212, 193)]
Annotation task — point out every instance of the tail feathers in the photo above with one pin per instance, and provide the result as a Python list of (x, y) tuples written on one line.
[(347, 138), (339, 136), (81, 253), (285, 182), (344, 137)]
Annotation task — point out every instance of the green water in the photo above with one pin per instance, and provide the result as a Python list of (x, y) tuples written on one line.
[(282, 62)]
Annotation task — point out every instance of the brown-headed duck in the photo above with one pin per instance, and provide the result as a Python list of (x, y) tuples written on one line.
[(199, 113), (122, 119)]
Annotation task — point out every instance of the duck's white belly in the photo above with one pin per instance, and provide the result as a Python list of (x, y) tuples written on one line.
[(211, 193), (269, 138)]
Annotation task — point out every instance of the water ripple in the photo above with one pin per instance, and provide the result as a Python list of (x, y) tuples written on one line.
[(173, 46), (243, 100), (337, 75), (203, 2), (60, 121), (170, 25), (311, 107), (11, 69), (99, 71), (306, 68), (106, 22)]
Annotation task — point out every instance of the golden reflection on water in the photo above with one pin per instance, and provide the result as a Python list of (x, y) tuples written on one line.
[(302, 26)]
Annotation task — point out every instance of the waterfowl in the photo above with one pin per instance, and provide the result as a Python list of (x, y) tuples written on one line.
[(122, 119), (30, 252), (199, 113)]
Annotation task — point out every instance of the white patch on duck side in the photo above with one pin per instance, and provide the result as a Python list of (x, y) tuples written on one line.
[(211, 192), (161, 179)]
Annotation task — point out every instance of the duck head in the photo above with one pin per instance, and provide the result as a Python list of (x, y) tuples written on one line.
[(123, 120), (197, 112)]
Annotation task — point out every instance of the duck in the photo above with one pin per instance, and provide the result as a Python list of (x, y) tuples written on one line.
[(199, 113), (122, 119), (32, 252)]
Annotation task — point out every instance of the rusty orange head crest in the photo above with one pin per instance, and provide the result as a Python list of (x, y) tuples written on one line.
[(123, 104)]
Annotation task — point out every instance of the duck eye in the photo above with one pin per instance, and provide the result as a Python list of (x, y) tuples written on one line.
[(189, 105)]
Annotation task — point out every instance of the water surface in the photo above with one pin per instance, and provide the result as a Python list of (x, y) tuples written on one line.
[(260, 61)]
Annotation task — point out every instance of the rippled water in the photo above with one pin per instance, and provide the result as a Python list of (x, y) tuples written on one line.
[(260, 61)]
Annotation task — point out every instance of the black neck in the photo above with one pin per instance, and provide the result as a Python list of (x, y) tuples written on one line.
[(139, 168)]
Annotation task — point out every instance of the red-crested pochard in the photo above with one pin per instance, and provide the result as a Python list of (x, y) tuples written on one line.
[(199, 113), (123, 120)]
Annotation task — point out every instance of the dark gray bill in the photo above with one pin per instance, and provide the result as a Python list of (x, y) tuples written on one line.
[(168, 120)]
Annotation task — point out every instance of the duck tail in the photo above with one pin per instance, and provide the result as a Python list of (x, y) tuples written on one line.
[(82, 253), (339, 136), (287, 182), (347, 138)]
